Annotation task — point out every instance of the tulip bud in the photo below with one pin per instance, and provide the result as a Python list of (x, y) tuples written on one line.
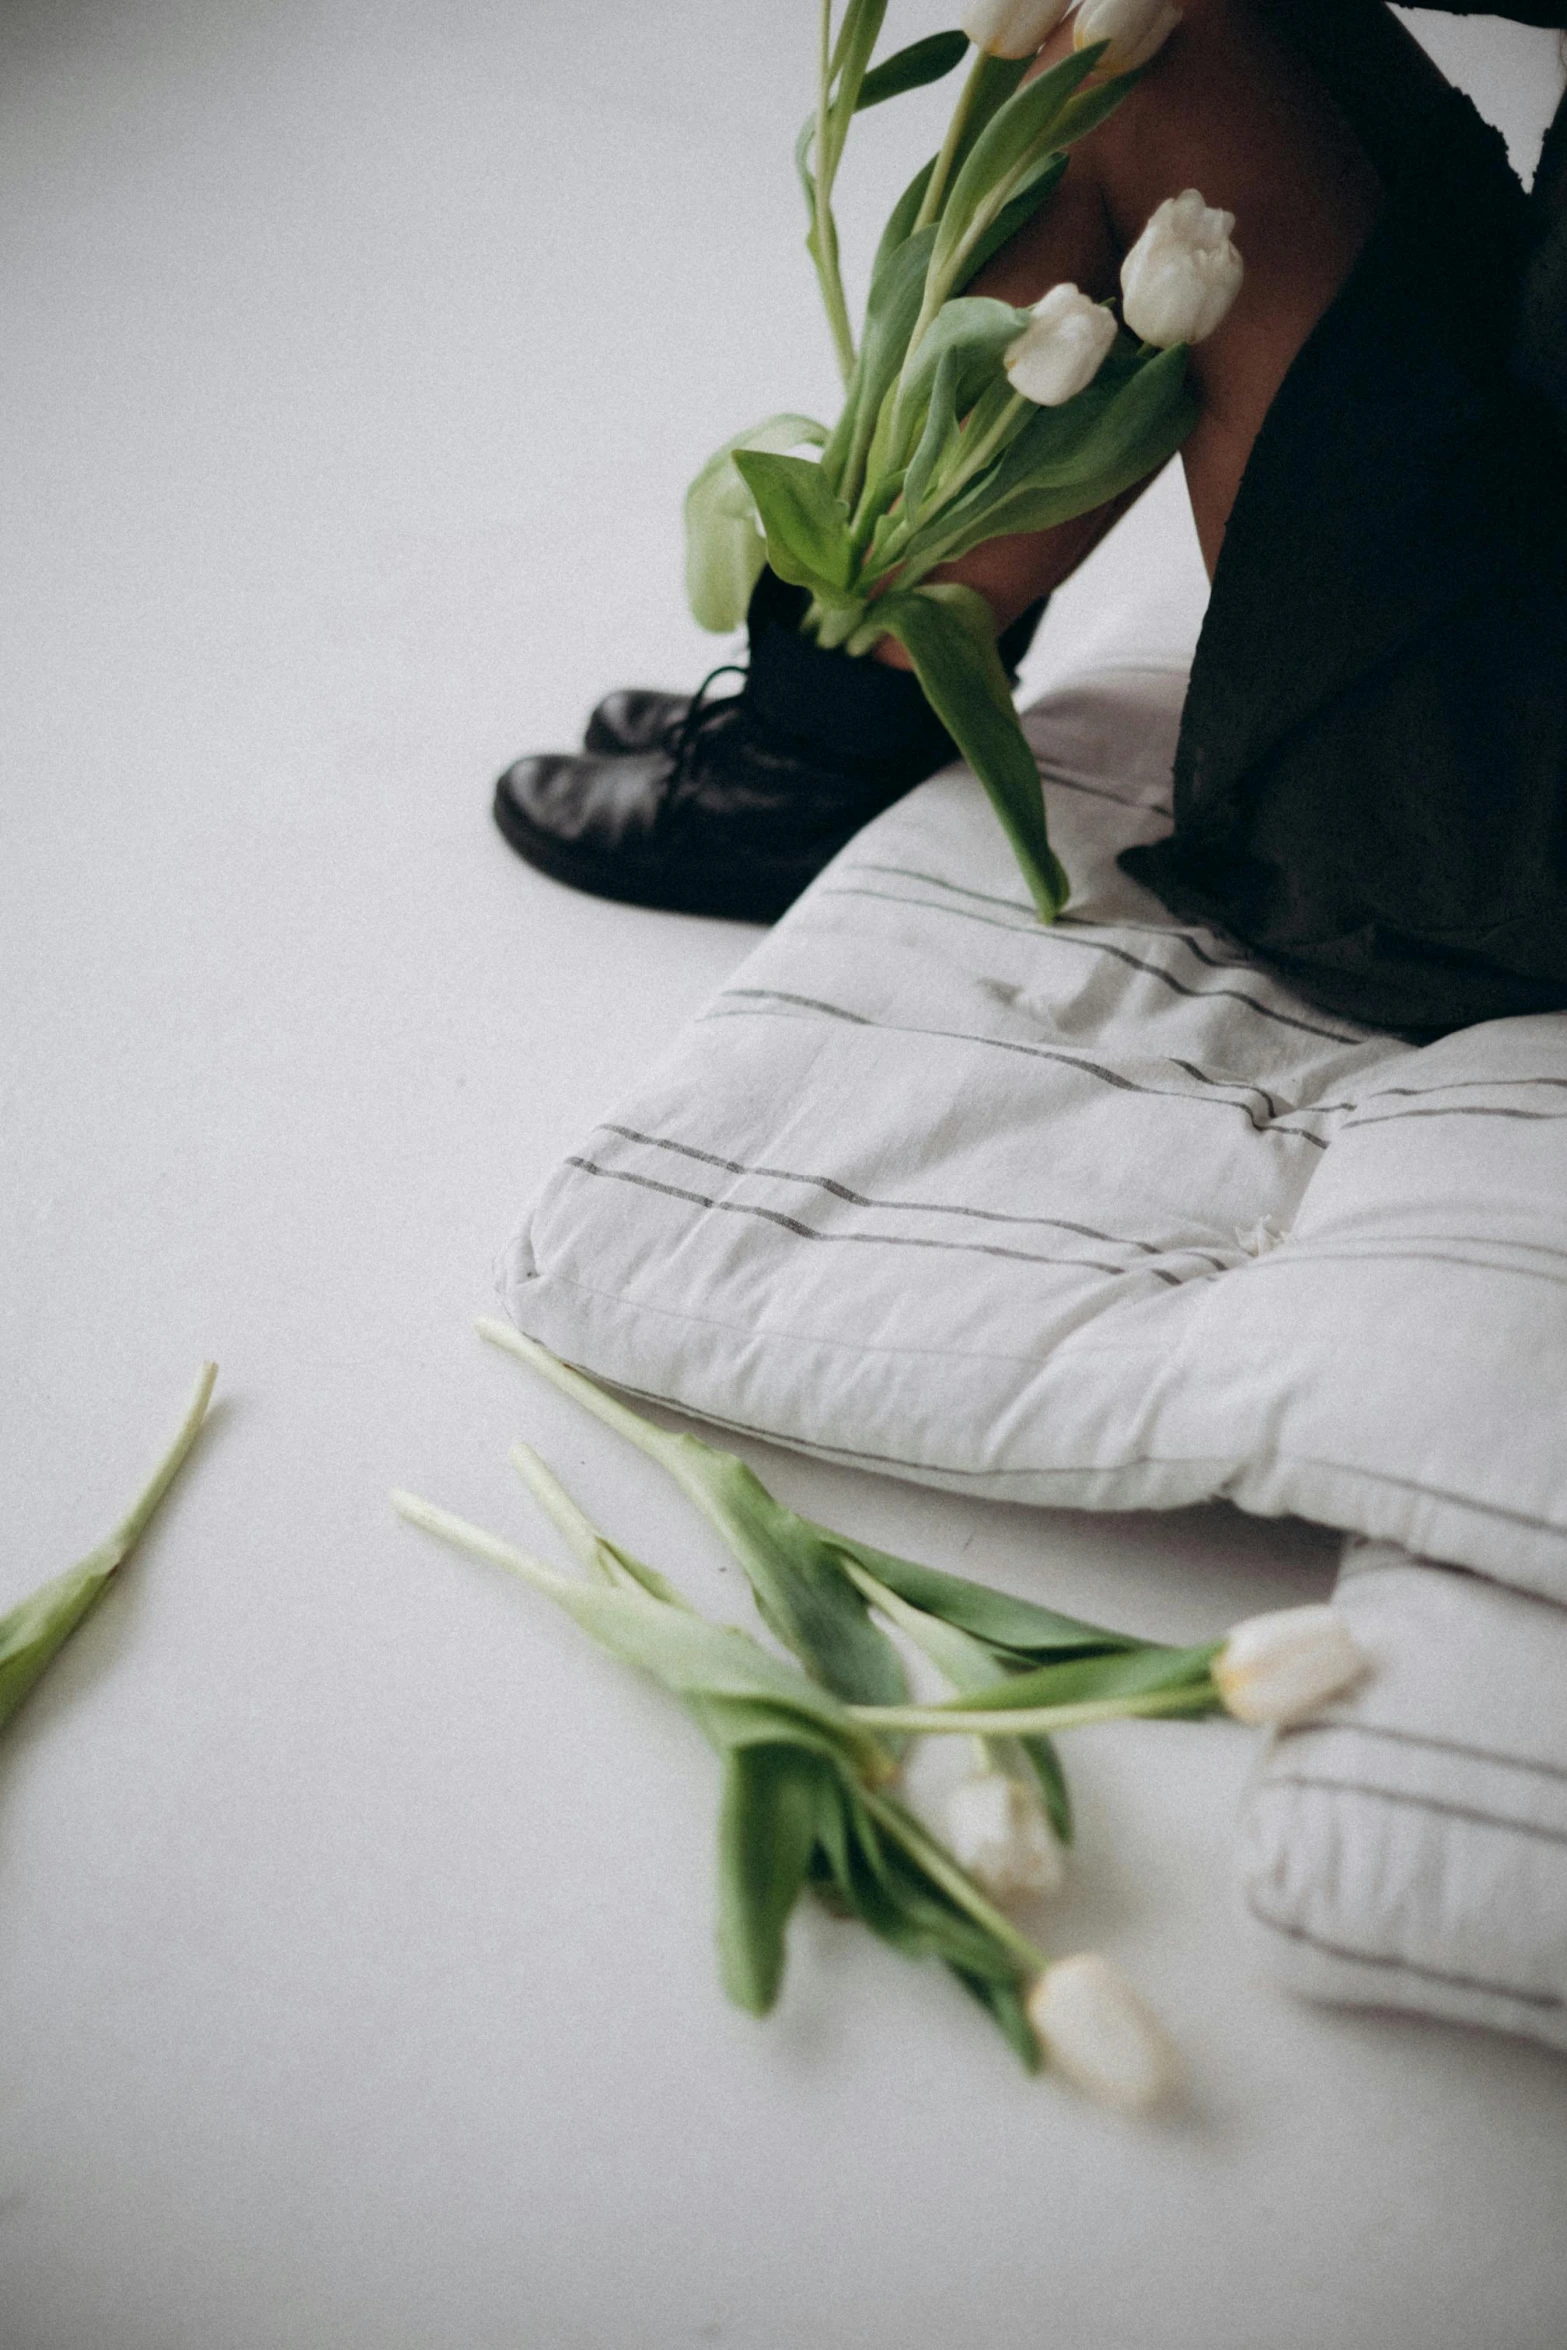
[(997, 1828), (1181, 276), (1096, 2030), (1277, 1667), (1135, 29), (1012, 28), (1061, 348)]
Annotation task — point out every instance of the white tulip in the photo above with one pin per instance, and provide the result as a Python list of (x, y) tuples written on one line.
[(1179, 279), (1277, 1667), (997, 1828), (1097, 2031), (1012, 28), (1061, 349), (1135, 29)]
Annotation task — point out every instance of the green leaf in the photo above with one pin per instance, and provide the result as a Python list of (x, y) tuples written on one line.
[(1090, 107), (990, 83), (859, 1871), (697, 1660), (806, 526), (1040, 1754), (1071, 459), (766, 1831), (1026, 120), (33, 1633), (857, 37), (939, 436), (998, 1618), (901, 219), (970, 1665), (891, 312), (912, 68), (972, 331), (1132, 1673), (949, 636), (801, 1588), (1004, 2001), (724, 549), (799, 1582), (1017, 212), (731, 1722)]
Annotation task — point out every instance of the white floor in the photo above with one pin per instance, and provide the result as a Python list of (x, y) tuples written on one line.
[(355, 1977)]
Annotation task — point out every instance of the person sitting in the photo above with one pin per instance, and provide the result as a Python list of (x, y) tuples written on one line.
[(1371, 777)]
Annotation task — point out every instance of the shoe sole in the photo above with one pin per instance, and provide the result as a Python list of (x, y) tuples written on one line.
[(745, 898)]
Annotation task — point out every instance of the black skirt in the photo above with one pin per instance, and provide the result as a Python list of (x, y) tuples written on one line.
[(1371, 782)]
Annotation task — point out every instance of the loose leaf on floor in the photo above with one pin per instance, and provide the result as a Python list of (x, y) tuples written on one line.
[(34, 1632), (804, 1800), (796, 1575)]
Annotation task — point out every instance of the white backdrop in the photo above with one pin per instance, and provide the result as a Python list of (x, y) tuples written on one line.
[(356, 1984)]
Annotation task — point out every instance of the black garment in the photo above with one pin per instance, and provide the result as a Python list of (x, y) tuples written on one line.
[(1371, 781)]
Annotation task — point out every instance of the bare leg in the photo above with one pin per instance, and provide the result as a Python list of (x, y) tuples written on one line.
[(1228, 107)]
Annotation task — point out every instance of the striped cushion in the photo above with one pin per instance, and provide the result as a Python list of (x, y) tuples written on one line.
[(1409, 1849), (1098, 1214)]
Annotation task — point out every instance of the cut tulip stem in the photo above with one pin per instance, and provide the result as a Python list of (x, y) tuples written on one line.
[(657, 1443), (463, 1536), (939, 1865), (134, 1524), (1031, 1721)]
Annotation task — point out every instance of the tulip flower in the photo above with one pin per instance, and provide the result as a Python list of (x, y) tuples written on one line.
[(1180, 278), (1135, 30), (997, 1829), (1279, 1667), (1095, 2029), (1061, 349), (1012, 28)]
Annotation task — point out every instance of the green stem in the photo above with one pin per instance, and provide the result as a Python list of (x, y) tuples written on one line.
[(462, 1536), (931, 203), (134, 1524), (655, 1442), (828, 274), (939, 1865), (1030, 1721), (581, 1536)]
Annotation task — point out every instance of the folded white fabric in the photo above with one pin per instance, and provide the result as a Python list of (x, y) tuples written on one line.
[(938, 1189), (1410, 1848)]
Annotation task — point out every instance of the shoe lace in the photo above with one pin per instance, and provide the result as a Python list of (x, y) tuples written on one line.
[(683, 735)]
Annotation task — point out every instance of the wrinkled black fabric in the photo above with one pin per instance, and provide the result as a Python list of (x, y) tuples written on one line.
[(1371, 781)]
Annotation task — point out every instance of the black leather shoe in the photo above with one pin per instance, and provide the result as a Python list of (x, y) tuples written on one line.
[(731, 806), (634, 718)]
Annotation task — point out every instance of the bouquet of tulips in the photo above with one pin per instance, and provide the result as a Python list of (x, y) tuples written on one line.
[(964, 418), (813, 1740)]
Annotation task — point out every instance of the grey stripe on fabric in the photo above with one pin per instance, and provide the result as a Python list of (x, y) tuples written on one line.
[(913, 1207), (1275, 1108), (1431, 1803), (1482, 1754), (1066, 921), (1387, 1093), (1032, 1052), (1048, 932), (975, 1248), (1457, 1110), (1548, 2000)]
